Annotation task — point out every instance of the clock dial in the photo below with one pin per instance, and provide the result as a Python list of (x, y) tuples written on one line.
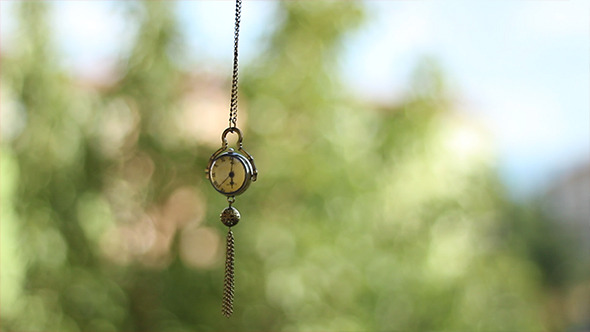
[(229, 174)]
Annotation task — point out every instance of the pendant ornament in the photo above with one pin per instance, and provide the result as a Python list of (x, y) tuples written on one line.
[(231, 172)]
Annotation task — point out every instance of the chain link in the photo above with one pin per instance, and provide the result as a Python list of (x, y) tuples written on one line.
[(227, 305), (233, 109)]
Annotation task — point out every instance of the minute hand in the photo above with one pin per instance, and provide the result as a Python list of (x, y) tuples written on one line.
[(221, 184)]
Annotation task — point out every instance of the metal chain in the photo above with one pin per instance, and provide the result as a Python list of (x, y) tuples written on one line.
[(227, 305), (233, 109)]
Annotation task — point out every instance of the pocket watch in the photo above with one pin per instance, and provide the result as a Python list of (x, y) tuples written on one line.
[(231, 172)]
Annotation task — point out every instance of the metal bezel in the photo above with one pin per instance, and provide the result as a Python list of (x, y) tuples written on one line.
[(247, 166)]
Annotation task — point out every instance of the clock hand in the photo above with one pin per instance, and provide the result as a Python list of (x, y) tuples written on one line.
[(231, 173), (226, 180)]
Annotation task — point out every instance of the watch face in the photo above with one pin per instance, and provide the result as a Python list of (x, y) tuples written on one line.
[(230, 174)]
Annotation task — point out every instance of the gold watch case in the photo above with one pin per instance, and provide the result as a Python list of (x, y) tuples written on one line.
[(230, 173)]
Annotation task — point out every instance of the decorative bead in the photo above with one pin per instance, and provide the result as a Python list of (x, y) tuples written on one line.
[(230, 216)]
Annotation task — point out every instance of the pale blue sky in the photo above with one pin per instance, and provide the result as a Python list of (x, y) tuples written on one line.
[(520, 68)]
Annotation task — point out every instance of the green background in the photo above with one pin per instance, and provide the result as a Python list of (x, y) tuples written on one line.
[(364, 217)]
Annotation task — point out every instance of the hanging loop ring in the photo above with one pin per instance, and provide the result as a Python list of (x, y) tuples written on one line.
[(232, 130)]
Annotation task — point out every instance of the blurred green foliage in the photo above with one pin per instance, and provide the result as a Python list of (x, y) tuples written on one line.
[(365, 217)]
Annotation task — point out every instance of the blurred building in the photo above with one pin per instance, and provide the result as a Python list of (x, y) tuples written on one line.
[(568, 200)]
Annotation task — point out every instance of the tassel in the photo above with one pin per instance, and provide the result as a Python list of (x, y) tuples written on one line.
[(227, 307)]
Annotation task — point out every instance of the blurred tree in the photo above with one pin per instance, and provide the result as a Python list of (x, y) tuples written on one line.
[(364, 217), (383, 219), (51, 161), (153, 190)]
